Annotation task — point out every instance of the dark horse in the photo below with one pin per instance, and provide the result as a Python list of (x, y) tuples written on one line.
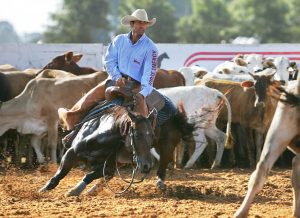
[(172, 127), (99, 143), (102, 140)]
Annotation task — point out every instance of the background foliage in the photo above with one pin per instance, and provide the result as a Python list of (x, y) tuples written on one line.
[(178, 21)]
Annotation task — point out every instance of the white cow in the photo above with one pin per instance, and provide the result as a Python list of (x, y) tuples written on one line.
[(230, 77), (254, 62), (202, 103), (282, 65), (190, 73), (238, 66), (284, 132)]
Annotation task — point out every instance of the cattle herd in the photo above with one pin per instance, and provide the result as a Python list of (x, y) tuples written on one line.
[(245, 114)]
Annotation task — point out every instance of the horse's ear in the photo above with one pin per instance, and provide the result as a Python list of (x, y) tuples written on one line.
[(152, 117)]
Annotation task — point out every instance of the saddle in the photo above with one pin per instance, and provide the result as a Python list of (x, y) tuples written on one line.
[(127, 92)]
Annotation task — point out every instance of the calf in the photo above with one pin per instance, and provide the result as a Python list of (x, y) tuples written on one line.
[(202, 105)]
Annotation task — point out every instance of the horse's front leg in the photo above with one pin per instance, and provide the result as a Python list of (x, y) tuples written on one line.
[(67, 162), (165, 158), (90, 177)]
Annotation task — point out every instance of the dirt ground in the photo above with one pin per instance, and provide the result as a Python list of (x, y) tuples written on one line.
[(189, 193)]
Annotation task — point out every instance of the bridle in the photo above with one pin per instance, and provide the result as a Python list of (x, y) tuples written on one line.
[(134, 169)]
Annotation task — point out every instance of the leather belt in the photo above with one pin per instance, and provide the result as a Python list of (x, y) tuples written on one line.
[(129, 78)]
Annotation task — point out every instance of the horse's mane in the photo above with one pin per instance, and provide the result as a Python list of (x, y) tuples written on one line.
[(122, 119)]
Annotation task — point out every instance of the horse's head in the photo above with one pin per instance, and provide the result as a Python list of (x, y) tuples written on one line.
[(140, 140)]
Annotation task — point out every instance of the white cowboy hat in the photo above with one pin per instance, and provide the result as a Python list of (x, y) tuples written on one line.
[(139, 14)]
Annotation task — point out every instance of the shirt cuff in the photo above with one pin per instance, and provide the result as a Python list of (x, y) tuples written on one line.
[(146, 91)]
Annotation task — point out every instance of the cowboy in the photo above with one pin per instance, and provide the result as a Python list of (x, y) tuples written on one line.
[(131, 56)]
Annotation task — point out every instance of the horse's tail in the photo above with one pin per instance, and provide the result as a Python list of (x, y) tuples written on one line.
[(181, 123)]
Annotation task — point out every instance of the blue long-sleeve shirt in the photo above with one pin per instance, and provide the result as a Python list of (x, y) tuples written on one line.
[(139, 60)]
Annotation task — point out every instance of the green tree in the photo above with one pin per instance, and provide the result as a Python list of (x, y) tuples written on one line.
[(164, 29), (206, 24), (263, 18), (8, 33), (79, 22)]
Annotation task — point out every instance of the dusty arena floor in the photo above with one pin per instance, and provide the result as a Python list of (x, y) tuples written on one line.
[(189, 193)]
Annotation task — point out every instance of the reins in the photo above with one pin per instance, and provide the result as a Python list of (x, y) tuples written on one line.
[(134, 170)]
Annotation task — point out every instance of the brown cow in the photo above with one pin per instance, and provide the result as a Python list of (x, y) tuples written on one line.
[(251, 108), (168, 78), (34, 111), (68, 62)]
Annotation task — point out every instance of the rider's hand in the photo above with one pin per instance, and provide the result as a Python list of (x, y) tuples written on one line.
[(120, 82)]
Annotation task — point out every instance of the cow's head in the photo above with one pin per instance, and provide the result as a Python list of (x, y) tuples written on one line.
[(262, 82), (254, 62), (66, 62)]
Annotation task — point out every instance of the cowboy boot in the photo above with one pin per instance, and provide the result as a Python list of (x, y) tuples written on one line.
[(68, 118)]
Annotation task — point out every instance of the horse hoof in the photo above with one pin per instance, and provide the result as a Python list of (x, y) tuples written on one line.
[(187, 167), (95, 190), (215, 166), (42, 190), (72, 193), (161, 186)]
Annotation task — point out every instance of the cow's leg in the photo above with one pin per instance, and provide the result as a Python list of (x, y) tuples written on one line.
[(52, 138), (250, 146), (240, 151), (67, 162), (201, 143), (296, 185), (259, 141), (219, 137), (36, 141), (276, 141)]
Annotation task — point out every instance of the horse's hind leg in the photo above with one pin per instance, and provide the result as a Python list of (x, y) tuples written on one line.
[(67, 162), (296, 185)]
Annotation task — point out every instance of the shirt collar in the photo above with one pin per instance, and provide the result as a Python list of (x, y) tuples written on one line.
[(140, 39)]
